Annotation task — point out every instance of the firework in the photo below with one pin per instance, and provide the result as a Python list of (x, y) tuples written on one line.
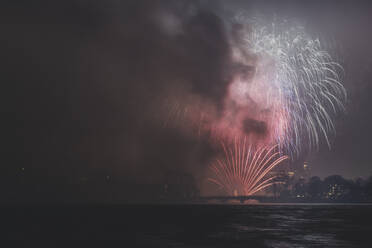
[(283, 94), (301, 81), (244, 170)]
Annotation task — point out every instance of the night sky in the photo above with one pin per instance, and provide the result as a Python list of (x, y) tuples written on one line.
[(85, 83)]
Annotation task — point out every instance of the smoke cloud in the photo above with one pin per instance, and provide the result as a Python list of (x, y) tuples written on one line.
[(99, 80)]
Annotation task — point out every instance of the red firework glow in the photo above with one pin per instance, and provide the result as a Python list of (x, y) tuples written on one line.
[(251, 110), (244, 170)]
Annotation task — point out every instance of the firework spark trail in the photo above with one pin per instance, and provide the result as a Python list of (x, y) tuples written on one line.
[(243, 172), (303, 76)]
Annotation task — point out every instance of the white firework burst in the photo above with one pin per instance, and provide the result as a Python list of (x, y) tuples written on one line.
[(305, 78)]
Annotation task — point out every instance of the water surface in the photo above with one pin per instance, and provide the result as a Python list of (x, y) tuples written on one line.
[(188, 226)]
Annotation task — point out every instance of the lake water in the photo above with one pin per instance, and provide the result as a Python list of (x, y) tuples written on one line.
[(188, 226)]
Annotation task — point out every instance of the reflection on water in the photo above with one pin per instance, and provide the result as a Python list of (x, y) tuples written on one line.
[(230, 226)]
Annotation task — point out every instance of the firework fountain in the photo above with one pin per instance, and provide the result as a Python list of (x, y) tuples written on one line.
[(244, 170)]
